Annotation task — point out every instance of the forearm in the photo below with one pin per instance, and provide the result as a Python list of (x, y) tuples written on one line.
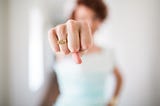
[(118, 87), (49, 98), (52, 92)]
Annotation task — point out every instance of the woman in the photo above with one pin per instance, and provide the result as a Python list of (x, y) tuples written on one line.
[(83, 84)]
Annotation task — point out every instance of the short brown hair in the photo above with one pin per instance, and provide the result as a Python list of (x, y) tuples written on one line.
[(98, 6)]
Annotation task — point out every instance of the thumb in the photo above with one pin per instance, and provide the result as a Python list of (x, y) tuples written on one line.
[(77, 58)]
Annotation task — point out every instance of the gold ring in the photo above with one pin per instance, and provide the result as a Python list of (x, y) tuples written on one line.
[(62, 42)]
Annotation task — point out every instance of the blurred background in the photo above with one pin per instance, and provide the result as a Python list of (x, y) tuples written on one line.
[(133, 29)]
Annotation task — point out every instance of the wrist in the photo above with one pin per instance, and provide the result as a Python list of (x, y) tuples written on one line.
[(113, 101)]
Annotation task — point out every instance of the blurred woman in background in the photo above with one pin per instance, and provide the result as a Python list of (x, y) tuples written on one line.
[(82, 84)]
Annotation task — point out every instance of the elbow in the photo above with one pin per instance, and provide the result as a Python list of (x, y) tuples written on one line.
[(119, 77)]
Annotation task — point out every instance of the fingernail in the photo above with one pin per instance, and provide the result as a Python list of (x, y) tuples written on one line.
[(77, 58)]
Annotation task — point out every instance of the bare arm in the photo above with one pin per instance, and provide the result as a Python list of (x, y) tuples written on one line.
[(52, 92), (119, 82)]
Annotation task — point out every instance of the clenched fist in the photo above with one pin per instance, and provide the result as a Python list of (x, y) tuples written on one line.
[(71, 37)]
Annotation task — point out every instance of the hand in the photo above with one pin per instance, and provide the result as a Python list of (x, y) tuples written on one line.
[(110, 104), (113, 101), (71, 37)]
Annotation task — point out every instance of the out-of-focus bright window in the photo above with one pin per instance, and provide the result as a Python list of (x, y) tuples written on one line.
[(36, 66)]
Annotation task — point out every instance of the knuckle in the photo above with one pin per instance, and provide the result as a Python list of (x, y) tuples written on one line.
[(70, 21), (56, 49), (51, 33), (61, 29), (84, 23), (87, 45), (72, 24), (58, 28), (65, 52), (73, 49)]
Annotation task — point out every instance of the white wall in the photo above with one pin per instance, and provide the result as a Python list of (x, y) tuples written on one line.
[(134, 31), (18, 52), (20, 93)]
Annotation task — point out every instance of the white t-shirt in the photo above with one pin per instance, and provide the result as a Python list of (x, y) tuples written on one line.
[(84, 84)]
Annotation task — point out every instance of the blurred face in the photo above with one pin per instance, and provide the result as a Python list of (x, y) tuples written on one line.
[(84, 13)]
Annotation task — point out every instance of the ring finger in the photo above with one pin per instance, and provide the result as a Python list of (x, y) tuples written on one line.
[(62, 38)]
